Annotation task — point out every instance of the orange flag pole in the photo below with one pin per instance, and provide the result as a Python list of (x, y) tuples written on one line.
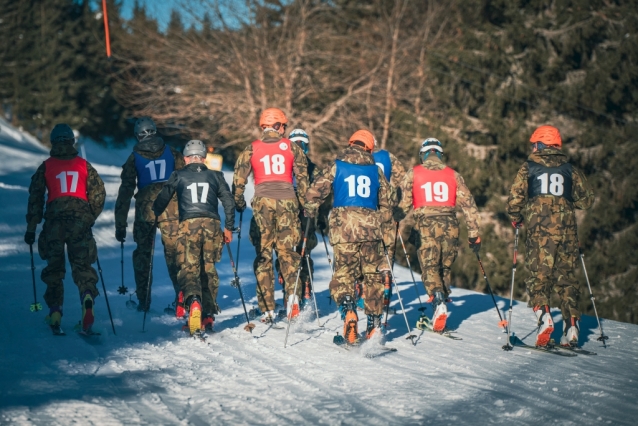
[(106, 29)]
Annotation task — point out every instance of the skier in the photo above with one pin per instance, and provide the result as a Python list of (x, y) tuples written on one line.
[(200, 238), (147, 168), (75, 198), (360, 191), (544, 194), (434, 190), (273, 159)]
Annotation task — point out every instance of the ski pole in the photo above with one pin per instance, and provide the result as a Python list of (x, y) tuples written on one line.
[(150, 274), (241, 218), (502, 322), (303, 251), (35, 306), (106, 297), (602, 337), (416, 288), (396, 286), (508, 346), (312, 284), (323, 237), (249, 326), (122, 290)]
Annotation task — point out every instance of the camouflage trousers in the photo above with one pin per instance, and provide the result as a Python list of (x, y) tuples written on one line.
[(311, 242), (359, 262), (82, 252), (437, 249), (551, 259), (277, 228), (389, 231), (143, 235), (199, 247)]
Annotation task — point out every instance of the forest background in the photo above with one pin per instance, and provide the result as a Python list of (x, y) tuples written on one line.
[(479, 75)]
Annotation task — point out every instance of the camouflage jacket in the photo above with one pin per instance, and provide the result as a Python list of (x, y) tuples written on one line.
[(520, 207), (65, 207), (351, 224), (464, 199), (243, 169), (150, 149)]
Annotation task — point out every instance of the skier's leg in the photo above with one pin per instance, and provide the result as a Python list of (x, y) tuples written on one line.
[(347, 270), (192, 240), (51, 248), (429, 253), (288, 234), (143, 234), (213, 243), (264, 213), (82, 251), (449, 227), (372, 260), (169, 231)]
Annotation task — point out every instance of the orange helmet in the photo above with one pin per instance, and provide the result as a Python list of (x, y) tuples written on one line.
[(271, 116), (364, 139), (548, 135)]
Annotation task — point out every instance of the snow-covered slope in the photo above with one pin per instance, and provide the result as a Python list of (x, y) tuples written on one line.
[(163, 377)]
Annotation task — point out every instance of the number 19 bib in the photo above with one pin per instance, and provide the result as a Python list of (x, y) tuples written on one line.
[(552, 181), (272, 162), (436, 188), (356, 185)]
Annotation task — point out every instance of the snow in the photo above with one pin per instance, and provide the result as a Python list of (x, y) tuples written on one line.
[(163, 377)]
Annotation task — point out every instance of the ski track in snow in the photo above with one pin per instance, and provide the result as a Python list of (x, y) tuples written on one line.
[(164, 377)]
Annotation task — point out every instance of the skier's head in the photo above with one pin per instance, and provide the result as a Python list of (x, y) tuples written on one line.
[(144, 128), (431, 145), (62, 133), (300, 137), (545, 136), (273, 118), (363, 139), (194, 152)]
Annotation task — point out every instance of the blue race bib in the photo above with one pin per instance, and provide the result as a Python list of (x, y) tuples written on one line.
[(382, 158), (154, 171), (356, 185)]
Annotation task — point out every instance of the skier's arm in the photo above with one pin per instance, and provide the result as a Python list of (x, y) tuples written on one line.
[(165, 195), (398, 174), (582, 194), (387, 195), (518, 195), (320, 189), (300, 168), (465, 201), (179, 159), (126, 191), (240, 176), (35, 207), (406, 191), (95, 191), (224, 195)]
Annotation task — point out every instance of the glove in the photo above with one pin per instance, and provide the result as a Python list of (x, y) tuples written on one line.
[(517, 224), (228, 236), (120, 234), (240, 205), (29, 237), (309, 213), (475, 244), (321, 224), (398, 214)]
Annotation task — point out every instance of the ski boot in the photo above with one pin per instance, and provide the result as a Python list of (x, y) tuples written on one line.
[(348, 311), (180, 312), (545, 325), (54, 319), (374, 326), (570, 335), (439, 318), (267, 317), (307, 294), (208, 321), (88, 317), (292, 307), (358, 295), (195, 315)]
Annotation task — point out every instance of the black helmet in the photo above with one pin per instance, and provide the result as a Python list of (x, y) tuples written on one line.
[(62, 133), (195, 147), (144, 128)]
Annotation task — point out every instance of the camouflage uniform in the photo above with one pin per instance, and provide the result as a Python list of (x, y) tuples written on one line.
[(143, 233), (276, 217), (389, 225), (355, 234), (438, 228), (551, 249), (67, 221)]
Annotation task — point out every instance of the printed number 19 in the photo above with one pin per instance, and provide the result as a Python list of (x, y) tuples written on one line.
[(440, 190)]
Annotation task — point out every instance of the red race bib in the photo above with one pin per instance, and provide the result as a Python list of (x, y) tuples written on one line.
[(433, 187), (272, 162), (66, 178)]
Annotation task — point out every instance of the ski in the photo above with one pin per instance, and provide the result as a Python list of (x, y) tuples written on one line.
[(575, 349), (516, 342), (338, 341), (85, 333), (425, 324), (57, 330)]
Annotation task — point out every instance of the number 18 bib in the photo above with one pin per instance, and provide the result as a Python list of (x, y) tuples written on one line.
[(552, 181), (272, 162), (356, 185), (436, 188)]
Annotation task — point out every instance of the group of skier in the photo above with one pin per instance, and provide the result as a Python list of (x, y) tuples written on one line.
[(361, 197)]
